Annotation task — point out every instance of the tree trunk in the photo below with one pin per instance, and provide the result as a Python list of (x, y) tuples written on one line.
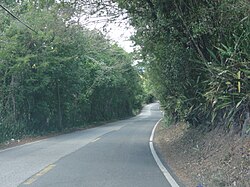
[(12, 84), (59, 106)]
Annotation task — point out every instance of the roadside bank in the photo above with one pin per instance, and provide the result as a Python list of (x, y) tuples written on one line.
[(207, 159)]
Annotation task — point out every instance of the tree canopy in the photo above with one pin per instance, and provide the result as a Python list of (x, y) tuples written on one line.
[(61, 76), (196, 55), (194, 58)]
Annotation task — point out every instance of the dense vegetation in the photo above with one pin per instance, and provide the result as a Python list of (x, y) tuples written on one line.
[(60, 75), (197, 57), (195, 61)]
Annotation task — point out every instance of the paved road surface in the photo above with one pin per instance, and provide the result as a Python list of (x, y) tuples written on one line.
[(113, 155)]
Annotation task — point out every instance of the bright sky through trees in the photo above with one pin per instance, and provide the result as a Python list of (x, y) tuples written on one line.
[(118, 31)]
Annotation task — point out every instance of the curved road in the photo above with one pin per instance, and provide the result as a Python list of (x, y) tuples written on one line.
[(116, 154)]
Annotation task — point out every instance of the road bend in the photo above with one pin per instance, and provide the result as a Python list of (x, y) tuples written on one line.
[(113, 155)]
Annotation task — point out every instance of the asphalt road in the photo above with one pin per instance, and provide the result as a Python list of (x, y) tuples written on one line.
[(113, 155)]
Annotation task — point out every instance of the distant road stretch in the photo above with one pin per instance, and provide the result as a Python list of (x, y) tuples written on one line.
[(113, 155)]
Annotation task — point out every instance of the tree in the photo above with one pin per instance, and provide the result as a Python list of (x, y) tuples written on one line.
[(194, 51), (63, 76)]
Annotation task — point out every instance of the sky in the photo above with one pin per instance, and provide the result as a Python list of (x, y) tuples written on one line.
[(117, 32), (121, 35)]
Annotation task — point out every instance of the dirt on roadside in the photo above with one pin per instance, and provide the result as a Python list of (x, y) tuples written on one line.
[(29, 138), (207, 159), (33, 138)]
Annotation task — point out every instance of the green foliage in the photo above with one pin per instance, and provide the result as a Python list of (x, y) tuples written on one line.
[(61, 77), (194, 52)]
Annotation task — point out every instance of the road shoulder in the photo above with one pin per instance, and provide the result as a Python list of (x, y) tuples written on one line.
[(206, 159)]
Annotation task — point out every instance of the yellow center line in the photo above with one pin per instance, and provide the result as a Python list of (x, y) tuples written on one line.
[(39, 174)]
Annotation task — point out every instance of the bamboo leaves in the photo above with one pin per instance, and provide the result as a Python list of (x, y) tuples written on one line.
[(210, 84)]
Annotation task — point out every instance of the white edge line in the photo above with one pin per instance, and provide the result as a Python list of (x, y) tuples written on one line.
[(18, 146), (25, 144), (153, 131), (165, 172)]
